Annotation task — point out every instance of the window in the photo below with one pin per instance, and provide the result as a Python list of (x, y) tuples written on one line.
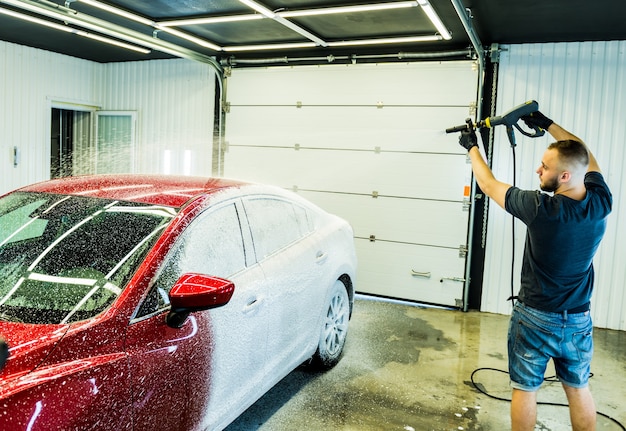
[(275, 224), (115, 141), (211, 245)]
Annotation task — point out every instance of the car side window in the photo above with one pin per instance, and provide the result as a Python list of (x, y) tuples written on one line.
[(211, 245), (275, 223)]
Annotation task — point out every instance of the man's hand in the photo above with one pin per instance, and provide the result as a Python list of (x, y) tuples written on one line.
[(468, 139), (537, 119)]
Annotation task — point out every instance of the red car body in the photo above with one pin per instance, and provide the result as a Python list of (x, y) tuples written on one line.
[(190, 356)]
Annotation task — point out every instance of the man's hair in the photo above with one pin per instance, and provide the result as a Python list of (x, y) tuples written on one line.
[(571, 153)]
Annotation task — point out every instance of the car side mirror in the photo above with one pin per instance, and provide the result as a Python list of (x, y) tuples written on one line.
[(197, 292)]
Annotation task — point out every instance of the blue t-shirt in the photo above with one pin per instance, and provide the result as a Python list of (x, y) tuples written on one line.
[(562, 237)]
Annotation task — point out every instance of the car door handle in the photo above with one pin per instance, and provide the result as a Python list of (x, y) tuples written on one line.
[(251, 305), (320, 257)]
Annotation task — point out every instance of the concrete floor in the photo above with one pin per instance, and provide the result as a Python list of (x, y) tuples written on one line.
[(409, 368)]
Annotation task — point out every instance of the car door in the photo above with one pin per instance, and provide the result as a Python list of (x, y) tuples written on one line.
[(160, 372), (293, 262), (190, 377)]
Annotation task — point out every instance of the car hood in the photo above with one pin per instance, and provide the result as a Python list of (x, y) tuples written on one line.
[(28, 345)]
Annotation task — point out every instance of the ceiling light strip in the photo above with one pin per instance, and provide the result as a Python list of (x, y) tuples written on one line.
[(210, 20), (385, 41), (434, 18), (259, 8), (295, 45), (151, 23), (117, 11), (72, 30), (348, 9), (408, 39), (190, 38)]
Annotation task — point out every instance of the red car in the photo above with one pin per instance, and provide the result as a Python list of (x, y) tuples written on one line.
[(163, 303)]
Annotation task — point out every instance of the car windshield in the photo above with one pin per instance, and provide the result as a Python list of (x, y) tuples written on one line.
[(66, 258)]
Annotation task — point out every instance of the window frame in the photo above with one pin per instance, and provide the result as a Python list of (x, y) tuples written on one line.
[(153, 292)]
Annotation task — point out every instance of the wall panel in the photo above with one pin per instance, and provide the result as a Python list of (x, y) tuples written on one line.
[(174, 100), (582, 86), (30, 80)]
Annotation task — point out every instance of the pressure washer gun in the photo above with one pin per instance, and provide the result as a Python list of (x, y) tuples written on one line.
[(509, 119)]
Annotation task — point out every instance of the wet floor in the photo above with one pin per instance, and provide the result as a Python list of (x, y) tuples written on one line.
[(411, 368)]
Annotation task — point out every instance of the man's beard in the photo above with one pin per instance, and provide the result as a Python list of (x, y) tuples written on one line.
[(550, 185)]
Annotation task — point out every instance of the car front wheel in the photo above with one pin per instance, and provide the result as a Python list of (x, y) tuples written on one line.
[(334, 329)]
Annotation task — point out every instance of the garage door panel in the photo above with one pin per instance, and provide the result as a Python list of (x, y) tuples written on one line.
[(411, 129), (400, 220), (412, 272), (367, 142), (363, 84), (387, 174)]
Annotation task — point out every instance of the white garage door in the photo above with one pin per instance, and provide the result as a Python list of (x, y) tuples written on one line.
[(367, 143)]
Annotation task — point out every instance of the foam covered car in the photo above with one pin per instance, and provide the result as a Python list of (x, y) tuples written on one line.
[(140, 302)]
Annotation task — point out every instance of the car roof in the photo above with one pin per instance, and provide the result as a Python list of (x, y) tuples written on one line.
[(169, 190)]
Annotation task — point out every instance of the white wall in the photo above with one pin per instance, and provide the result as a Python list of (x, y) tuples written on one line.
[(174, 100), (582, 86), (29, 80)]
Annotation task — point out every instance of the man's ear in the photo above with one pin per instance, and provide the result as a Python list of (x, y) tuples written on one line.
[(565, 176)]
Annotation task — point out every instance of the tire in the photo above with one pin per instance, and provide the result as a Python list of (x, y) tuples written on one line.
[(334, 329)]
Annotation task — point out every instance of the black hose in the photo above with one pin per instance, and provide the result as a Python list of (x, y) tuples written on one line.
[(618, 423)]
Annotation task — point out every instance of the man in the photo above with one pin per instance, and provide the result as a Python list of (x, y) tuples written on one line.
[(551, 318)]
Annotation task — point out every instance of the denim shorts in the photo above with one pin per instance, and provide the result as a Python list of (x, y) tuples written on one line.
[(537, 336)]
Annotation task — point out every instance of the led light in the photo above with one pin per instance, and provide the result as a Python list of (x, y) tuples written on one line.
[(434, 18), (36, 20), (67, 29), (210, 20), (259, 8), (118, 11), (270, 46), (386, 40), (196, 40), (348, 9)]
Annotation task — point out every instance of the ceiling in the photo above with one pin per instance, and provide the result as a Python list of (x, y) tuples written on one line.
[(276, 31)]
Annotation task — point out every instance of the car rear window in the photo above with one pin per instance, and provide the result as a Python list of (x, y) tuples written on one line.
[(275, 223)]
